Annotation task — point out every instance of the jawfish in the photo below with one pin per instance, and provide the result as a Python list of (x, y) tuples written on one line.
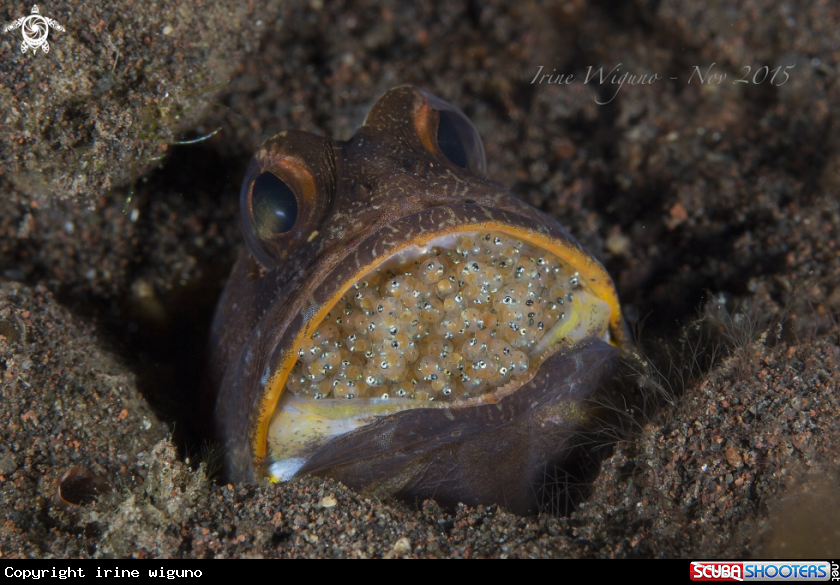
[(400, 322)]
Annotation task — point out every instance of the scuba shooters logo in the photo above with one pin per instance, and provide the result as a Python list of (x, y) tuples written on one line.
[(763, 571), (35, 29), (717, 571)]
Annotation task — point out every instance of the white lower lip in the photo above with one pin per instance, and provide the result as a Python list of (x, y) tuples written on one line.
[(285, 469)]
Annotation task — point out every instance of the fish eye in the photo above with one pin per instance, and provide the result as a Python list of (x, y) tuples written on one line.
[(274, 206), (449, 140), (457, 138), (285, 195)]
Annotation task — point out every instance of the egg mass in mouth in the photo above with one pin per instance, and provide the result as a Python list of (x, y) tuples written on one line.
[(402, 323), (445, 323)]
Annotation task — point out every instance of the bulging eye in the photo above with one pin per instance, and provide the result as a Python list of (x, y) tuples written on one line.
[(285, 195), (457, 138), (274, 205), (449, 140)]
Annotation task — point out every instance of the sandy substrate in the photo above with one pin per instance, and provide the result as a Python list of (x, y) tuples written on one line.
[(716, 202)]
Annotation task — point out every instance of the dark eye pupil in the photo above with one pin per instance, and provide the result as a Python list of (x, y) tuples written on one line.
[(274, 204), (449, 139)]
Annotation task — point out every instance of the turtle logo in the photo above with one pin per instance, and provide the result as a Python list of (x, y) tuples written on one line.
[(35, 29)]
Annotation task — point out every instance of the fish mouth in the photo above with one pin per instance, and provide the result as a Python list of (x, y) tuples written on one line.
[(503, 452), (450, 320)]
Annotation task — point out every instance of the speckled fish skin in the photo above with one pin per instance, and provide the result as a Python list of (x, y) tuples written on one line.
[(389, 189)]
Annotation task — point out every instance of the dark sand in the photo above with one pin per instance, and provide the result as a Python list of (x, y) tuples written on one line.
[(714, 201)]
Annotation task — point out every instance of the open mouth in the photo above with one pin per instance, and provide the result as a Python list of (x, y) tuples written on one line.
[(447, 323)]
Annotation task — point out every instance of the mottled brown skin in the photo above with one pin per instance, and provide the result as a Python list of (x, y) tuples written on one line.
[(387, 186)]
